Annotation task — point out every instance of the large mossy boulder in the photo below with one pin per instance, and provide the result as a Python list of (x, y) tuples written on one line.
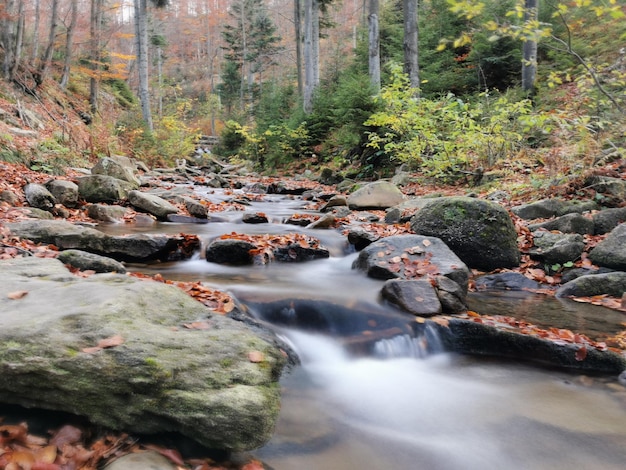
[(480, 232), (133, 355)]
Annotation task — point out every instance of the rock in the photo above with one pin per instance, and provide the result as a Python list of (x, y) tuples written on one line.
[(611, 252), (185, 219), (414, 296), (376, 195), (336, 201), (149, 460), (451, 295), (296, 253), (479, 232), (547, 208), (257, 218), (505, 281), (106, 213), (135, 247), (154, 371), (9, 197), (613, 284), (556, 248), (468, 337), (571, 274), (424, 256), (568, 223), (39, 197), (393, 215), (230, 251), (606, 220), (64, 192), (100, 188), (85, 261), (151, 204), (360, 238), (614, 189), (34, 213), (116, 168), (195, 208), (326, 221)]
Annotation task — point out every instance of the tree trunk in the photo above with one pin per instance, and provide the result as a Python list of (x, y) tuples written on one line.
[(374, 45), (411, 41), (529, 50), (8, 26), (44, 66), (297, 21), (35, 52), (69, 40), (19, 38), (95, 32), (309, 82), (141, 41), (244, 56)]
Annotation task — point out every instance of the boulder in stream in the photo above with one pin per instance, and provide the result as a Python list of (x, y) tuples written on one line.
[(611, 252), (134, 355), (376, 195)]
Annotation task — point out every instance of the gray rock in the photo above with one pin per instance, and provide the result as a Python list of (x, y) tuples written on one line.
[(335, 201), (215, 384), (151, 204), (64, 192), (606, 220), (326, 221), (256, 218), (613, 188), (425, 256), (100, 188), (613, 284), (106, 213), (149, 460), (611, 252), (451, 295), (376, 195), (418, 296), (568, 223), (393, 215), (571, 274), (34, 213), (38, 196), (505, 281), (135, 247), (548, 208), (230, 251), (556, 248), (195, 208), (116, 168), (360, 238), (481, 233), (296, 253), (9, 196), (85, 261)]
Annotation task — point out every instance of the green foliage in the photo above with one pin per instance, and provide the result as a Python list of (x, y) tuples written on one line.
[(449, 136), (122, 92)]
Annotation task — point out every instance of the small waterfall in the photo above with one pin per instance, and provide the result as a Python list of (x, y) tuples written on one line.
[(406, 345)]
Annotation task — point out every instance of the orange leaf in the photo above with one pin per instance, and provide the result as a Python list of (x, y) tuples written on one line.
[(111, 342), (426, 243), (256, 356), (581, 354), (18, 294)]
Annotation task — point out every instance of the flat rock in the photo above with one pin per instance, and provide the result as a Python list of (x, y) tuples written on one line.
[(133, 355), (613, 284), (417, 297), (155, 205), (86, 261), (376, 195)]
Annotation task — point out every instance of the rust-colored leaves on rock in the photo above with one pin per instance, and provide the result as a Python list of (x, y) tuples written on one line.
[(105, 343), (18, 294)]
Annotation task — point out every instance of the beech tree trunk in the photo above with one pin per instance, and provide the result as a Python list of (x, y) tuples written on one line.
[(95, 32), (35, 52), (141, 41), (297, 22), (19, 37), (374, 44), (46, 60), (411, 41), (311, 52), (69, 41), (529, 50), (8, 26)]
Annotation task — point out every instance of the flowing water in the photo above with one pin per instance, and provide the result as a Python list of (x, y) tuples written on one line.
[(400, 402)]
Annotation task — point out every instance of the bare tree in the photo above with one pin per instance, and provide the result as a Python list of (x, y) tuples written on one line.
[(374, 44), (411, 41), (141, 41), (69, 40), (529, 49), (46, 60), (311, 52)]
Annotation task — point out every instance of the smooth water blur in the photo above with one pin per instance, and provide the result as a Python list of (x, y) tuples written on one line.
[(402, 408)]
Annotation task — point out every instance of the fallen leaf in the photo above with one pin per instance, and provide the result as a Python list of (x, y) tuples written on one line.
[(581, 354), (111, 342), (18, 294), (256, 356), (426, 243)]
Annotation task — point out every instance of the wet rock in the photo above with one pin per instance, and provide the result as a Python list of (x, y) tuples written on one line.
[(154, 376), (479, 232), (360, 238), (568, 223), (151, 204), (505, 281), (556, 248), (326, 221), (468, 337), (613, 284), (335, 201), (100, 188), (119, 168), (417, 297), (195, 208), (607, 219), (85, 261), (256, 218), (554, 207), (38, 196), (149, 460), (64, 192), (296, 253), (136, 247), (385, 259), (450, 294), (185, 219), (571, 274), (230, 251), (376, 195), (393, 215), (106, 213), (34, 213), (611, 252)]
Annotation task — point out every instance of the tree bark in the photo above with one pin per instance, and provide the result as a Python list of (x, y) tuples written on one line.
[(411, 41), (19, 37), (35, 53), (529, 50), (69, 42), (8, 26), (297, 21), (141, 41), (44, 66), (374, 44), (311, 52), (95, 32)]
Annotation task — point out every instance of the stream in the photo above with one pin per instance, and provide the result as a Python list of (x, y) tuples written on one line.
[(405, 404)]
